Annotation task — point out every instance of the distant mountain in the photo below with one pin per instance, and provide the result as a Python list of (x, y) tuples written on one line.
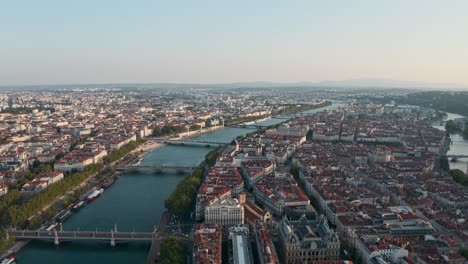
[(343, 84), (353, 83), (389, 83)]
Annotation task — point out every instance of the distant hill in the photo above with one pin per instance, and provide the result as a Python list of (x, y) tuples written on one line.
[(353, 83), (389, 83)]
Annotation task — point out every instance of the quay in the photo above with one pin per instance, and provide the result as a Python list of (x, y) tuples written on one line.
[(153, 254)]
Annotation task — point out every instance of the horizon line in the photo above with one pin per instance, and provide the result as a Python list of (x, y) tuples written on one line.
[(408, 84)]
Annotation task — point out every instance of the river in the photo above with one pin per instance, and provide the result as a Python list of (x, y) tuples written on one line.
[(459, 145), (134, 202)]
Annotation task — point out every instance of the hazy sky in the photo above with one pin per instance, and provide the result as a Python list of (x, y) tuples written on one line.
[(102, 41)]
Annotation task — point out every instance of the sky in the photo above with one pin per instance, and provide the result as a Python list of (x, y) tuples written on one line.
[(213, 41)]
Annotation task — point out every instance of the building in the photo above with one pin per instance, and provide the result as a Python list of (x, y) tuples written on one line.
[(418, 228), (278, 191), (240, 252), (219, 183), (3, 189), (73, 163), (305, 242), (207, 244), (225, 211), (255, 169), (373, 250), (266, 253), (42, 181)]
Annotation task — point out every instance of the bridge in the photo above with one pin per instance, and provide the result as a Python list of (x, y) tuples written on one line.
[(157, 168), (113, 236), (455, 157), (290, 116), (195, 143), (249, 126)]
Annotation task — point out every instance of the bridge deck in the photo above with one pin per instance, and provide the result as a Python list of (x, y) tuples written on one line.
[(456, 156), (83, 235), (157, 167)]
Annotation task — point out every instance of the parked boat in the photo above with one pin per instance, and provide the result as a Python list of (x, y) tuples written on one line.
[(63, 216), (137, 163), (94, 195), (52, 227), (78, 206), (9, 260), (108, 183)]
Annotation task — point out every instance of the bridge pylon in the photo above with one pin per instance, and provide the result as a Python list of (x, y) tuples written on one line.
[(56, 238), (112, 241)]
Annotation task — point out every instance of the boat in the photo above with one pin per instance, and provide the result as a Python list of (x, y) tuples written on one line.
[(62, 217), (77, 206), (94, 195), (9, 260), (52, 227), (137, 163), (108, 183)]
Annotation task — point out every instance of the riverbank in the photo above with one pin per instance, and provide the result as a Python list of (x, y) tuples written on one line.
[(94, 181), (126, 204), (458, 144), (286, 111), (192, 134), (86, 185), (149, 146)]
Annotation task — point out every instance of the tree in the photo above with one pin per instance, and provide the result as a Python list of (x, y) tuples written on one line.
[(173, 251), (295, 170), (28, 176), (464, 253), (59, 156), (45, 168), (444, 164), (459, 177), (310, 135), (195, 127), (36, 164), (451, 127)]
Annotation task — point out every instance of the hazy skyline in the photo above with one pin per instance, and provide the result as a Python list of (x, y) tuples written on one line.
[(51, 42)]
